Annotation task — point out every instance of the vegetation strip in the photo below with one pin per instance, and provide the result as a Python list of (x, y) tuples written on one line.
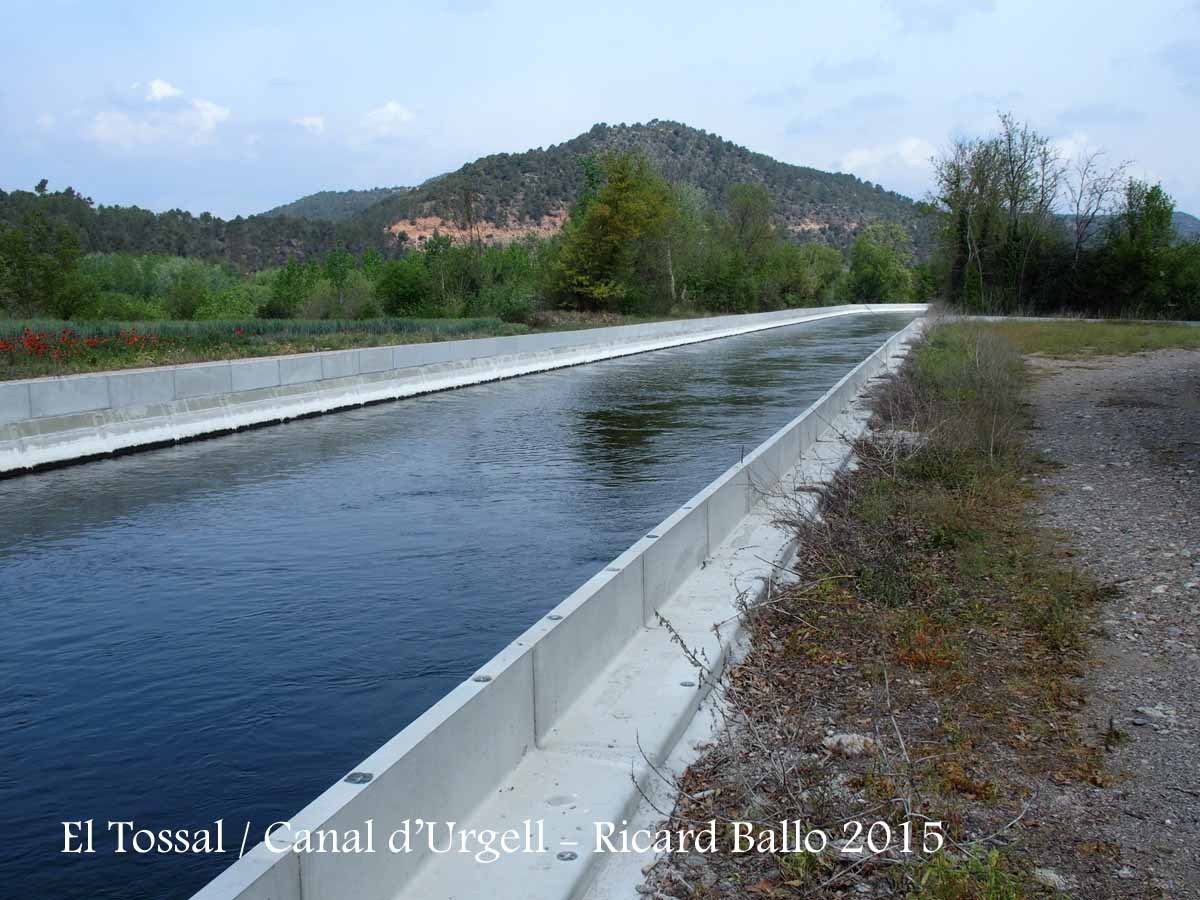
[(922, 670)]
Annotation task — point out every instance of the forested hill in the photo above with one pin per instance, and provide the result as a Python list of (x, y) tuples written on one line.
[(334, 206), (1186, 226), (248, 244), (519, 191)]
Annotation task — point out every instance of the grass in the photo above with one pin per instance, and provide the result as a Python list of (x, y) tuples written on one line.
[(52, 347), (932, 614), (1070, 340), (65, 348)]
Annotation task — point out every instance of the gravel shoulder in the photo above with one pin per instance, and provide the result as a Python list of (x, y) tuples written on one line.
[(1124, 495)]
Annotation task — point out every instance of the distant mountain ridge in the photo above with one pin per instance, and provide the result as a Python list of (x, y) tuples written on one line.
[(530, 192), (334, 206), (1187, 226)]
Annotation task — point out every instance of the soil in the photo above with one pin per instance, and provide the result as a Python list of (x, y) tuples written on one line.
[(1125, 498)]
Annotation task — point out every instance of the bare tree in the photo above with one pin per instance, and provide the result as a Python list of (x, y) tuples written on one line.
[(1093, 194)]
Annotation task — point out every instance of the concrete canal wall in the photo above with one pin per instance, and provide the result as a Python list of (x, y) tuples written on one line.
[(553, 726), (49, 421)]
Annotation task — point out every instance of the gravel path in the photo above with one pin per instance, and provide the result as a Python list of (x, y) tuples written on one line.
[(1126, 431)]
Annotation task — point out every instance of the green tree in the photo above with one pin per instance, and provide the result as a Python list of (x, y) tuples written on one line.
[(751, 225), (338, 265), (1139, 251), (879, 264), (288, 290), (39, 266), (604, 241), (403, 286)]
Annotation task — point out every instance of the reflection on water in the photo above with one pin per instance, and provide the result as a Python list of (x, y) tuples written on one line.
[(222, 628)]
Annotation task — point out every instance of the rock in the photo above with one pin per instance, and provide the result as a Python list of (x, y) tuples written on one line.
[(1126, 873), (1051, 879), (849, 745), (1158, 712)]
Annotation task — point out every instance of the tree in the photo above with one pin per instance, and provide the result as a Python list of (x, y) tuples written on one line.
[(999, 195), (1092, 194), (403, 285), (879, 264), (750, 220), (39, 266), (604, 241), (1138, 254), (338, 263)]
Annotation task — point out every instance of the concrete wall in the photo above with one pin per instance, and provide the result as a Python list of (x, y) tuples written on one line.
[(452, 760), (47, 421)]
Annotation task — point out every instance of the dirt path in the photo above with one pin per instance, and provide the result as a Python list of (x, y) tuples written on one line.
[(1126, 432)]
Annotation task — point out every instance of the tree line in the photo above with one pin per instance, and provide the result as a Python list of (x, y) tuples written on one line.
[(633, 244), (1024, 230)]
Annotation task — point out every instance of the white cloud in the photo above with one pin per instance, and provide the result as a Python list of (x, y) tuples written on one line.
[(1073, 145), (161, 90), (902, 165), (913, 152), (313, 124), (207, 115), (387, 120), (193, 123)]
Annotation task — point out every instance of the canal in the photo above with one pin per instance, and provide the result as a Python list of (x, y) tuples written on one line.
[(221, 629)]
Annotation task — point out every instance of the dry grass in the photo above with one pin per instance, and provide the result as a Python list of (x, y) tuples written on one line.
[(930, 616), (1072, 340)]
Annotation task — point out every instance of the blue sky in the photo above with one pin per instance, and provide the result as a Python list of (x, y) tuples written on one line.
[(235, 107)]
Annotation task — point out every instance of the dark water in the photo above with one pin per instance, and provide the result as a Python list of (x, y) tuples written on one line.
[(222, 629)]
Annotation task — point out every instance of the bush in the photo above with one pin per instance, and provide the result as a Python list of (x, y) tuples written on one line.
[(231, 303), (110, 305), (403, 285), (320, 302)]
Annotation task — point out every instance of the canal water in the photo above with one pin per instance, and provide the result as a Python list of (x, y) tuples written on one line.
[(220, 630)]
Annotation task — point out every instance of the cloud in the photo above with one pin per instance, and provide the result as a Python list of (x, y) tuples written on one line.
[(913, 152), (387, 120), (853, 69), (1073, 145), (161, 90), (185, 123), (312, 124), (208, 115), (935, 16)]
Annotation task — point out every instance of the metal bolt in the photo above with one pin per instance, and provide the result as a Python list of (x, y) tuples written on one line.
[(567, 855), (358, 777), (482, 678)]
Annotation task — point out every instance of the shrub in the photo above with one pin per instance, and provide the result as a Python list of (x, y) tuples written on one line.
[(110, 305), (231, 303), (403, 285)]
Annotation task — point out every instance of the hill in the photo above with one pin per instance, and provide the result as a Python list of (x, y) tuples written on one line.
[(1187, 226), (247, 244), (333, 206), (530, 192)]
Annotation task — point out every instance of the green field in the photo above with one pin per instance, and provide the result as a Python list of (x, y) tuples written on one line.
[(34, 348)]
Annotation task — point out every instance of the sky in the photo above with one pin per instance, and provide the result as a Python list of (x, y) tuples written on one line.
[(235, 107)]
